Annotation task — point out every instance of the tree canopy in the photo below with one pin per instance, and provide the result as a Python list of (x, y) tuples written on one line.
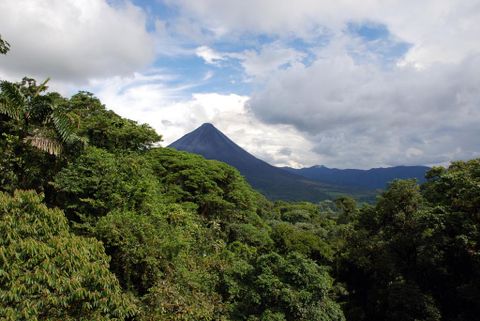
[(98, 222), (47, 272)]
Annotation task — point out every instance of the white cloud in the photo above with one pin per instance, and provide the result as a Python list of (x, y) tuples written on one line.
[(72, 41), (337, 111), (268, 59), (422, 108), (208, 75), (255, 63), (362, 115), (440, 30), (146, 99), (209, 55)]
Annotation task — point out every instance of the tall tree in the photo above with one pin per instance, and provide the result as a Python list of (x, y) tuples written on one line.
[(39, 120)]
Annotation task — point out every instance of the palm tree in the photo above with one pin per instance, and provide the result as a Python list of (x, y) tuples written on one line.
[(43, 124)]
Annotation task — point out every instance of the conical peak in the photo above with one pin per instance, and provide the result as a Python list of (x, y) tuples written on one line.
[(210, 142), (208, 129), (207, 125)]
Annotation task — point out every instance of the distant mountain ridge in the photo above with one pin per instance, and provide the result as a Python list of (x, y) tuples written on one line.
[(273, 182), (374, 178), (310, 184)]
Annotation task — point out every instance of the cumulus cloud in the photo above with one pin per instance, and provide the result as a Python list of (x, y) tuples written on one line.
[(323, 92), (146, 98), (256, 63), (440, 30), (407, 98), (72, 41), (209, 55), (269, 58), (361, 115)]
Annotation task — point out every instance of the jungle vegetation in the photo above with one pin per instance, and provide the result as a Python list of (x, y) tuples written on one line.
[(99, 223)]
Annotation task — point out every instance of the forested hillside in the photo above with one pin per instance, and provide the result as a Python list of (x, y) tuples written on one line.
[(273, 182), (98, 224)]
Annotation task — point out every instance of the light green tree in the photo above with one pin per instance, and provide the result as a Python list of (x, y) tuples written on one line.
[(47, 273)]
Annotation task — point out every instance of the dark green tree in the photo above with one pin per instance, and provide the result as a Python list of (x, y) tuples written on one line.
[(347, 207), (34, 135), (275, 287), (455, 191), (389, 258), (215, 190)]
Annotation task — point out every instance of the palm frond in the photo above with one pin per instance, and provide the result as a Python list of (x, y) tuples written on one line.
[(42, 87), (45, 144), (8, 109), (12, 103), (82, 139), (64, 125)]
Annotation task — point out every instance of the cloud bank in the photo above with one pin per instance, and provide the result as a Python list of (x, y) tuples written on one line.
[(343, 83), (409, 96), (73, 41), (357, 115)]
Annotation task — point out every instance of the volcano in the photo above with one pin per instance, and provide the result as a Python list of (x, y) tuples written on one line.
[(274, 182)]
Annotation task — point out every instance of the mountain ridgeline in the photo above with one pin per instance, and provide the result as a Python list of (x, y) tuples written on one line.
[(374, 178), (273, 182), (306, 184)]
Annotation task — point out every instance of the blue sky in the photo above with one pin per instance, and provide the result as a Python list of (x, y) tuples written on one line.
[(343, 84), (227, 75)]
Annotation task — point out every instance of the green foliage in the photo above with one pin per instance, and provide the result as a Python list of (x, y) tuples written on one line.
[(145, 247), (303, 239), (23, 166), (302, 227), (173, 236), (347, 207), (384, 258), (34, 131), (217, 190), (456, 187), (250, 235), (49, 274), (138, 247), (456, 192), (161, 257), (414, 256), (107, 130), (173, 300), (40, 122), (99, 182), (4, 46), (283, 288)]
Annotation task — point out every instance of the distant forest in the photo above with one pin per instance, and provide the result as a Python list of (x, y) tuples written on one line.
[(97, 223)]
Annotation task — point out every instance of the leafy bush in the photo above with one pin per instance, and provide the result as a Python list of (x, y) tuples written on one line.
[(48, 273)]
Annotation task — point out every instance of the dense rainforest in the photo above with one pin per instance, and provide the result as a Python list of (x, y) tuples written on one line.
[(97, 222)]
